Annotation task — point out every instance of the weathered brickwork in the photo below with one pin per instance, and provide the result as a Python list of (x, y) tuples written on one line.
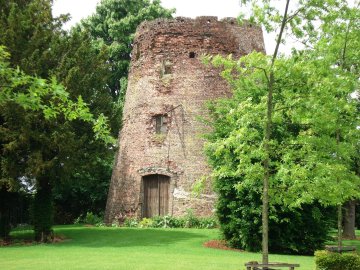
[(168, 86)]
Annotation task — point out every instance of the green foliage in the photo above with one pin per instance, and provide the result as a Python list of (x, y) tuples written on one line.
[(87, 61), (187, 221), (146, 223), (312, 120), (239, 214), (27, 102), (92, 219), (89, 219), (335, 261), (113, 26), (29, 30), (309, 142), (85, 191), (131, 222), (57, 140)]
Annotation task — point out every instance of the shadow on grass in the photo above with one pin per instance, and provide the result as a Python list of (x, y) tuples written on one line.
[(125, 237), (116, 237)]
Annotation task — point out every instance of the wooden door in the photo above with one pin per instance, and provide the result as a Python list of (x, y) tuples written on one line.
[(156, 195)]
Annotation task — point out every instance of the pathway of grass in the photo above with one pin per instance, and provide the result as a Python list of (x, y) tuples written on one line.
[(132, 249)]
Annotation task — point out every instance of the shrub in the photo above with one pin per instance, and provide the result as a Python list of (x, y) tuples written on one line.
[(208, 223), (326, 260), (191, 221), (145, 223), (131, 222), (188, 221), (163, 222), (92, 219), (297, 231)]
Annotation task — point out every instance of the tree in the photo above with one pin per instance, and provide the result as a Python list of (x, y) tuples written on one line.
[(280, 135), (29, 30), (42, 48), (114, 25), (34, 150), (96, 65)]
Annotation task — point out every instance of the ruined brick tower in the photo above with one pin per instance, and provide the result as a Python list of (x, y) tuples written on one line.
[(160, 152)]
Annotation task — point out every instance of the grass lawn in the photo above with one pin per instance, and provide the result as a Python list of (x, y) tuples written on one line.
[(355, 243), (132, 248)]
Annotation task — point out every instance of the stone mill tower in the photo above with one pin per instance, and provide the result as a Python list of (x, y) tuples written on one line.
[(160, 152)]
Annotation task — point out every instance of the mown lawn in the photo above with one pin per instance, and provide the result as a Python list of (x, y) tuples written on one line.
[(132, 248)]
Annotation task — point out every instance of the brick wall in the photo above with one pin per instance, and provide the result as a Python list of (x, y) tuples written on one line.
[(167, 79)]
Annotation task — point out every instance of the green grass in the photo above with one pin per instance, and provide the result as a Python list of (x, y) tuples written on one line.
[(355, 243), (131, 248)]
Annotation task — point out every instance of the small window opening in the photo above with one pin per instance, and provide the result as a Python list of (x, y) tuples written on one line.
[(208, 21), (191, 55), (160, 124), (166, 68)]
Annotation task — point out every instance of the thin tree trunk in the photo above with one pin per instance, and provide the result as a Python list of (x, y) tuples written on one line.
[(349, 220), (339, 228), (267, 148)]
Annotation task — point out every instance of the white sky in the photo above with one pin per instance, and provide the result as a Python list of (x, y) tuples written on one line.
[(79, 9)]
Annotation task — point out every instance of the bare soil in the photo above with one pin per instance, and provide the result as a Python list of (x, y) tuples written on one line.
[(219, 244)]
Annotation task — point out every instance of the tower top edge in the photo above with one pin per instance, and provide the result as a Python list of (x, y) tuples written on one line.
[(200, 20)]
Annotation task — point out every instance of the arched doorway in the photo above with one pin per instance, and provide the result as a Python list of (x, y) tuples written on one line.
[(156, 195)]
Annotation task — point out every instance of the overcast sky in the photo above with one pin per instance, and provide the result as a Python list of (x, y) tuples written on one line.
[(79, 9), (187, 8)]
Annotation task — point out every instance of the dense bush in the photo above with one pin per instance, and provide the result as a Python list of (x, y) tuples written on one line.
[(84, 191), (300, 231), (326, 260)]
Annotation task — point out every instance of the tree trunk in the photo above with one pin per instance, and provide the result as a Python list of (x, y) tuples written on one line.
[(339, 227), (5, 206), (43, 210), (349, 220), (267, 148)]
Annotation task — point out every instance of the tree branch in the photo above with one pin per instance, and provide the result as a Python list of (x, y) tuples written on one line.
[(266, 75), (283, 23)]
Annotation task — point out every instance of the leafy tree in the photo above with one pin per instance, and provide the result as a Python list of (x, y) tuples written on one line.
[(292, 125), (28, 31), (35, 150), (42, 48), (114, 25), (80, 61)]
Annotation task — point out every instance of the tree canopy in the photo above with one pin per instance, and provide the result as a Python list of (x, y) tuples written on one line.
[(291, 123), (52, 142), (114, 25)]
